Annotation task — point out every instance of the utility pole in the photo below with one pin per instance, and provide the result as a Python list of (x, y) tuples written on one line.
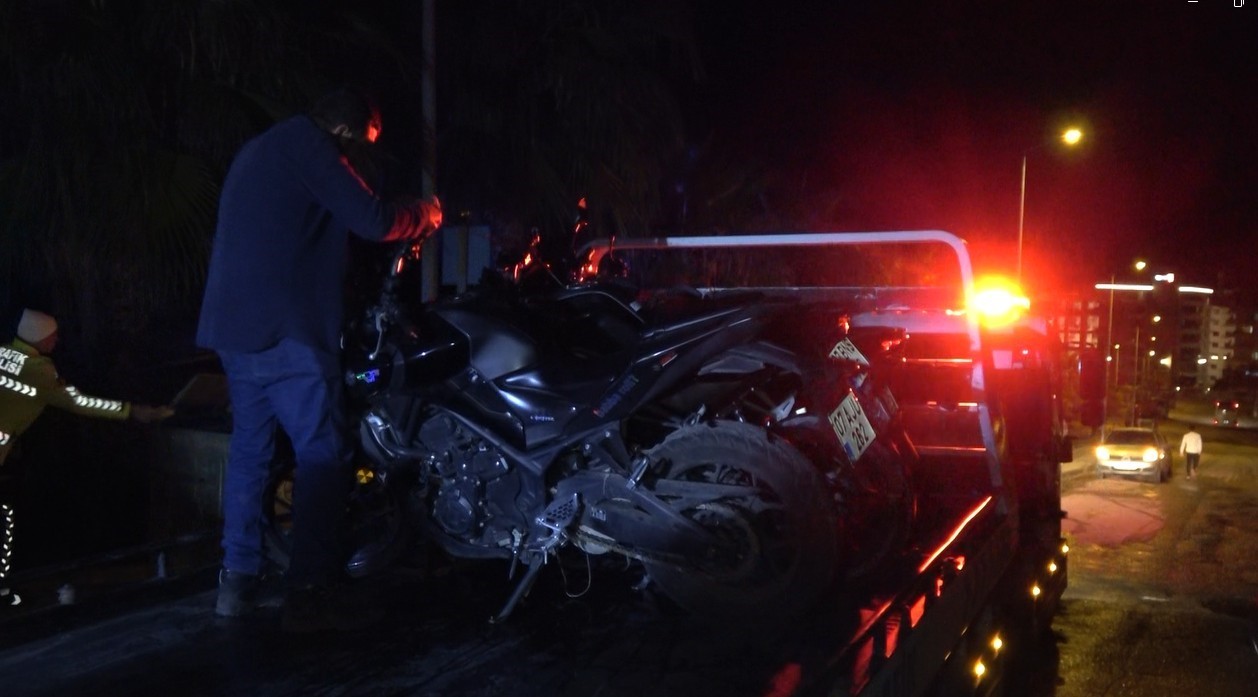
[(1021, 209), (1109, 351), (428, 96)]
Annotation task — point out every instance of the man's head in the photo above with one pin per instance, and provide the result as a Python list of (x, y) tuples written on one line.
[(347, 114), (38, 329)]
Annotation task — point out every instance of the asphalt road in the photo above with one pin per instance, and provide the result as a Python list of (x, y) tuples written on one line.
[(1163, 595)]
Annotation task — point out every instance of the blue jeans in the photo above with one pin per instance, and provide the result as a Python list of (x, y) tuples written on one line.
[(297, 388)]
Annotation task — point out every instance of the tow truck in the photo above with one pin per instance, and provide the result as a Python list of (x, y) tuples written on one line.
[(978, 385), (954, 611)]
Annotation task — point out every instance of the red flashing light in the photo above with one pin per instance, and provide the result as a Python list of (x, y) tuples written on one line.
[(997, 301)]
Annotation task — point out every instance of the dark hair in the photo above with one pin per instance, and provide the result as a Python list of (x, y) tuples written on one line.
[(344, 106), (10, 316)]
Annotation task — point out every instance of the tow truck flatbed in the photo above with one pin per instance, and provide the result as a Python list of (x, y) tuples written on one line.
[(982, 572), (611, 641)]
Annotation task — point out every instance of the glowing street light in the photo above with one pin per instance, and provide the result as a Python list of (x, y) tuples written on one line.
[(1071, 137)]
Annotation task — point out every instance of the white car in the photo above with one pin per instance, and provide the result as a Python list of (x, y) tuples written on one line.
[(1134, 452)]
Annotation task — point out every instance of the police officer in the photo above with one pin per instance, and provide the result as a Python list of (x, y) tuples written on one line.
[(29, 383)]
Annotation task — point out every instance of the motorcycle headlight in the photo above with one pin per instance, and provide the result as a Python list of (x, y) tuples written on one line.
[(1150, 455), (1102, 452)]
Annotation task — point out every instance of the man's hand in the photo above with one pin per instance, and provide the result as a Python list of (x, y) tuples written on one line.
[(146, 414), (432, 213), (416, 220)]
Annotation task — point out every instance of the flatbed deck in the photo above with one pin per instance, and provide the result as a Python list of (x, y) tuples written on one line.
[(435, 639)]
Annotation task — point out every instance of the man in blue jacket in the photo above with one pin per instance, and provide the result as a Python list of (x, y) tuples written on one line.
[(273, 310)]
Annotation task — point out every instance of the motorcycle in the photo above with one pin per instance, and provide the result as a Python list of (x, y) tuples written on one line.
[(559, 410)]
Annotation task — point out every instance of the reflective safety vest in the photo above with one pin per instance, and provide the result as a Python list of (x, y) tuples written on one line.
[(29, 383)]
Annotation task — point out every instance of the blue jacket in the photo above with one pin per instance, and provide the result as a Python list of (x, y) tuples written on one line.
[(288, 206)]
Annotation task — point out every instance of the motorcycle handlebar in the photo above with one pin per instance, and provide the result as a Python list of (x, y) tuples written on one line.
[(386, 310)]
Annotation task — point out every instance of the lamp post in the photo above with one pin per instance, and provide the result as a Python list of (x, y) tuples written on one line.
[(1109, 331), (1070, 136), (1138, 265), (1135, 362)]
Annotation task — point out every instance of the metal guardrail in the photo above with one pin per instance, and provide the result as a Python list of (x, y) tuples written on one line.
[(157, 549), (97, 578)]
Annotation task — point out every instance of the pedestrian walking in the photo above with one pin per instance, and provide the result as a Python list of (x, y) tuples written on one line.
[(1190, 448)]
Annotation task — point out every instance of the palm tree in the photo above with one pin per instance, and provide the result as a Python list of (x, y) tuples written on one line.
[(121, 120), (542, 103), (122, 116)]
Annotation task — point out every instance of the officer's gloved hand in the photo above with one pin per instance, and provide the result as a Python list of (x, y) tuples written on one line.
[(147, 414)]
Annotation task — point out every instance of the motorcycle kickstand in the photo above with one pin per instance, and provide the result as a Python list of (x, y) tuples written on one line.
[(556, 518), (521, 589)]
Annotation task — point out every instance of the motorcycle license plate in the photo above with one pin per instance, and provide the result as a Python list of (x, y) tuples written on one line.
[(852, 427), (845, 350)]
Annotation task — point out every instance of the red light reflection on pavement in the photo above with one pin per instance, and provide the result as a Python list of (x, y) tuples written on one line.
[(1092, 519)]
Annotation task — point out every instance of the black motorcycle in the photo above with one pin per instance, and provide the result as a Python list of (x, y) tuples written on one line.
[(712, 438)]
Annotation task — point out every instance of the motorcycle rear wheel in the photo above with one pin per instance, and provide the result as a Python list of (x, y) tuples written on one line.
[(783, 542)]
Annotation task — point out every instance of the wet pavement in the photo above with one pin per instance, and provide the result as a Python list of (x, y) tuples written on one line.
[(1163, 595)]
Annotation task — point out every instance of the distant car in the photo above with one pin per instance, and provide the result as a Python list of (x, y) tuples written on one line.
[(1135, 452), (1227, 414)]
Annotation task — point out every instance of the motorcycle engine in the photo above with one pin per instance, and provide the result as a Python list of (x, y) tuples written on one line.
[(474, 498)]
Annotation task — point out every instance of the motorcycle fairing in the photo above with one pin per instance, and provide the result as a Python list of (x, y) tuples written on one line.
[(532, 402)]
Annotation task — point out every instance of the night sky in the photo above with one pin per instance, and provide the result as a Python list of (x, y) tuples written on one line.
[(917, 115)]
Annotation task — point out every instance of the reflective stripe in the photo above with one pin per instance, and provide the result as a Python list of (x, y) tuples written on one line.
[(93, 402), (6, 547), (18, 387)]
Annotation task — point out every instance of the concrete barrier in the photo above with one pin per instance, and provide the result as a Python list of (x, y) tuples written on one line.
[(186, 483)]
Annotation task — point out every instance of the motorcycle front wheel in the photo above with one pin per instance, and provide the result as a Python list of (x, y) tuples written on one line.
[(780, 547)]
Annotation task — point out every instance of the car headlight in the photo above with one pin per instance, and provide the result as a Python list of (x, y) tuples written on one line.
[(1150, 455), (1102, 452)]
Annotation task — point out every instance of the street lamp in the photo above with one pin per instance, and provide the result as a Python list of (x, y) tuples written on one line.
[(1070, 137), (1135, 362), (1118, 355)]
